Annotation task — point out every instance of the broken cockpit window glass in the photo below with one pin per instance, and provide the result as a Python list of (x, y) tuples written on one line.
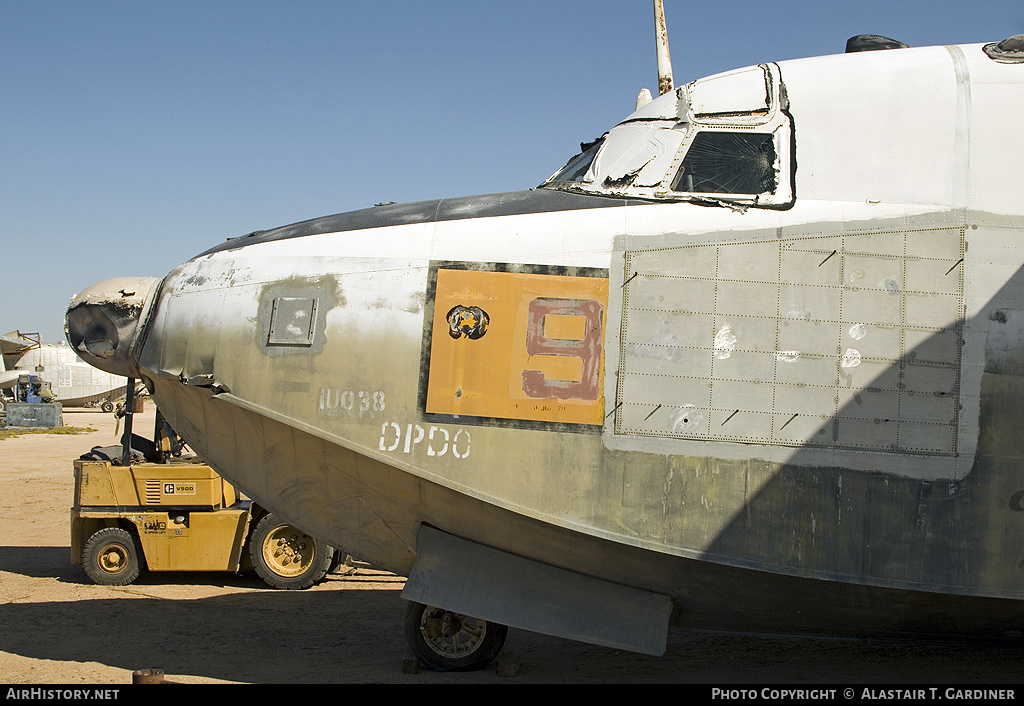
[(715, 141), (577, 167), (723, 162)]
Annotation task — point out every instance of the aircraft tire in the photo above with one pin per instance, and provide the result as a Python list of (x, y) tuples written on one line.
[(445, 641), (286, 557), (111, 557), (107, 406)]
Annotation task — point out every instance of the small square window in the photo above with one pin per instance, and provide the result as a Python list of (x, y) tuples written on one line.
[(293, 322)]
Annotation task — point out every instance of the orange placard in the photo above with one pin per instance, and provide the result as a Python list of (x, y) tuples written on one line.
[(511, 345)]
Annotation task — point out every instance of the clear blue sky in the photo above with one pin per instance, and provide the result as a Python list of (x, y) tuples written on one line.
[(134, 135)]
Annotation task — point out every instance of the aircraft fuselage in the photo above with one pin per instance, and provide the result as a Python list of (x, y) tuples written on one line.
[(637, 377)]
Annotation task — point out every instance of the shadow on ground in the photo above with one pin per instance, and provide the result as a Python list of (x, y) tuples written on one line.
[(346, 632)]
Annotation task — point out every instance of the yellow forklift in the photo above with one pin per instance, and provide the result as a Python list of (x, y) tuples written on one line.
[(150, 508)]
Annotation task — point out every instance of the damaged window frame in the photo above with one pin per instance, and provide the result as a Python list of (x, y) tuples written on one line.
[(577, 166), (684, 128)]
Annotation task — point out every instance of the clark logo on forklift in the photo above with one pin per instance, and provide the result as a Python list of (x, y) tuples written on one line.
[(179, 488)]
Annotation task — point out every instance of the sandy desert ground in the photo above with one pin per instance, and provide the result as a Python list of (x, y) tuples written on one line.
[(58, 628)]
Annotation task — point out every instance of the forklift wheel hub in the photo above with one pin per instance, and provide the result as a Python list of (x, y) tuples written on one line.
[(113, 559), (287, 551)]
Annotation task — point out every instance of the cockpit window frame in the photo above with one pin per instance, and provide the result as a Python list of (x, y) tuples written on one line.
[(773, 117)]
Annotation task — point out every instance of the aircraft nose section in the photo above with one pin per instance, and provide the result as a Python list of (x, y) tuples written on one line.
[(104, 322)]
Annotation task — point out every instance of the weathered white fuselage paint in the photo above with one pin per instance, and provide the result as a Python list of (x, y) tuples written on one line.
[(789, 389)]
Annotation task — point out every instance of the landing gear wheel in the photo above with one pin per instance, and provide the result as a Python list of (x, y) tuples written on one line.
[(111, 557), (286, 557), (452, 642), (107, 406)]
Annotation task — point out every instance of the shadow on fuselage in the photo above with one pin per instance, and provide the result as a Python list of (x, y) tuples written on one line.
[(888, 551)]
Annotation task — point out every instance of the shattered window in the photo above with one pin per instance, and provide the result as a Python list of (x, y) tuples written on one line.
[(720, 162), (578, 165)]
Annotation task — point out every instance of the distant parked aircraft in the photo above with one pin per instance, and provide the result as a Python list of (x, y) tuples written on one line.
[(75, 382)]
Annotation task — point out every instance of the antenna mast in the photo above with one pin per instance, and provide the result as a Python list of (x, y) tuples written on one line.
[(664, 61)]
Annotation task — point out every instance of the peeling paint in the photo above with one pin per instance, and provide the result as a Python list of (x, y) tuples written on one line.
[(851, 358), (663, 346), (686, 419), (304, 325), (725, 342)]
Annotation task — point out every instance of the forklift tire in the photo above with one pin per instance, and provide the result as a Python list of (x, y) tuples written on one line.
[(286, 557), (111, 557)]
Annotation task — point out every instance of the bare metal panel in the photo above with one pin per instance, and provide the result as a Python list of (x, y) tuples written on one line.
[(848, 341), (293, 321)]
